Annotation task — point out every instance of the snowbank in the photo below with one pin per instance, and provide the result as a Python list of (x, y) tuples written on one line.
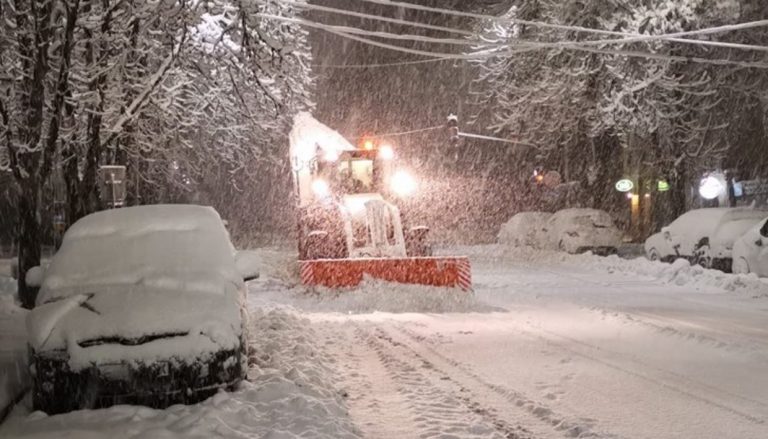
[(680, 273), (290, 394), (279, 283), (14, 377), (379, 296), (7, 286)]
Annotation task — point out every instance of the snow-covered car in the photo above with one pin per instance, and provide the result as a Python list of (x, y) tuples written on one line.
[(580, 230), (524, 229), (750, 252), (141, 305), (703, 236)]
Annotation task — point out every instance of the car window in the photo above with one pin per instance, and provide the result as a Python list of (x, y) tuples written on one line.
[(764, 229)]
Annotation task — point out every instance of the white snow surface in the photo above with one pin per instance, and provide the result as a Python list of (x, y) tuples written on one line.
[(722, 225), (14, 377), (576, 228), (149, 270), (525, 229), (165, 246), (308, 134), (290, 394), (550, 345)]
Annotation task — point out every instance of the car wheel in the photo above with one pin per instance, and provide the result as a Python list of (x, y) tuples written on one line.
[(740, 266), (703, 257), (654, 255)]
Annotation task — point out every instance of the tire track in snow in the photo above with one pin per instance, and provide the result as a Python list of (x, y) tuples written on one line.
[(442, 408), (537, 415), (377, 411)]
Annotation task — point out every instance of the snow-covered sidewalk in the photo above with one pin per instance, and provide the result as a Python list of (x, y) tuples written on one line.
[(290, 394)]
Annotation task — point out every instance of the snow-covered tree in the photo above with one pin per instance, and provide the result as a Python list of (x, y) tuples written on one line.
[(679, 119), (544, 97), (175, 90)]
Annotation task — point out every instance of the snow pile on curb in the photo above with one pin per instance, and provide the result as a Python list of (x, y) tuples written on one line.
[(7, 286), (290, 394), (14, 378), (680, 273)]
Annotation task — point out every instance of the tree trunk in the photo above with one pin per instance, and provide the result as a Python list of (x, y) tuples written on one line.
[(30, 239)]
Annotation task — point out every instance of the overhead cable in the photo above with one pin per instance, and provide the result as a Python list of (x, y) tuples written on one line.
[(374, 65), (705, 31), (376, 17), (627, 37)]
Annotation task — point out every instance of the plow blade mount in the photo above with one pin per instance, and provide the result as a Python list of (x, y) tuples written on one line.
[(433, 271)]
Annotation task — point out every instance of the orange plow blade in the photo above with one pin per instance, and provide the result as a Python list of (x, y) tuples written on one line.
[(434, 271)]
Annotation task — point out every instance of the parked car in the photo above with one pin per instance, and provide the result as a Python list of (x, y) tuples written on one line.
[(524, 229), (141, 305), (703, 236), (581, 230), (750, 252)]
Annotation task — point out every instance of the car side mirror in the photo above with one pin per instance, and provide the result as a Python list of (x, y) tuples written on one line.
[(666, 233), (247, 265)]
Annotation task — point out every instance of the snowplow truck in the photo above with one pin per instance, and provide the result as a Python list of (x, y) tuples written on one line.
[(349, 225)]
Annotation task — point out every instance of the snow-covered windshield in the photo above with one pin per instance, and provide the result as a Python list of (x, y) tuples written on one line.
[(158, 246)]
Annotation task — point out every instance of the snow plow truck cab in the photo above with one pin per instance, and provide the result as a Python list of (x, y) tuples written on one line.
[(349, 225)]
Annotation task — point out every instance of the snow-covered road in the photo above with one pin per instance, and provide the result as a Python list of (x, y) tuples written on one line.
[(553, 346), (549, 346)]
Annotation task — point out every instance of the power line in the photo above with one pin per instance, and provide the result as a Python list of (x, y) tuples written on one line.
[(494, 139), (628, 37), (404, 133), (503, 53), (628, 53), (375, 17), (522, 43), (634, 37), (371, 33), (442, 55), (392, 64)]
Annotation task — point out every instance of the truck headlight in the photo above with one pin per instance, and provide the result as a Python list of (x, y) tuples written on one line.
[(403, 183)]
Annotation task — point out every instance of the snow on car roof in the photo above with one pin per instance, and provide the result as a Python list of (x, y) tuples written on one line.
[(707, 219), (580, 211), (164, 246)]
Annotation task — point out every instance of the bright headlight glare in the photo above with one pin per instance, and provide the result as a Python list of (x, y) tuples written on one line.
[(386, 152), (320, 188), (403, 183)]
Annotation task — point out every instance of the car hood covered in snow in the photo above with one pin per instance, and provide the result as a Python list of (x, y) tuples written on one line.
[(135, 323)]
